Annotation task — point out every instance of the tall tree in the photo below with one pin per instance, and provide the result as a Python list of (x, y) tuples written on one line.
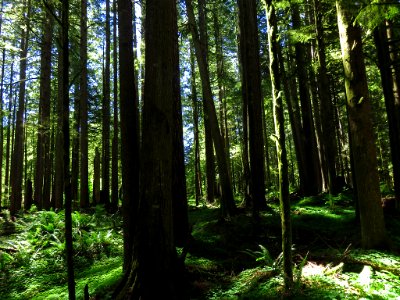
[(326, 107), (251, 86), (228, 205), (66, 148), (105, 170), (18, 153), (154, 257), (392, 109), (115, 150), (312, 176), (362, 142), (83, 89), (42, 184), (209, 147), (197, 169), (129, 128)]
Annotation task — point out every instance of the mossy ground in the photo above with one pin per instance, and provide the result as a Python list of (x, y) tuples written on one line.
[(227, 259)]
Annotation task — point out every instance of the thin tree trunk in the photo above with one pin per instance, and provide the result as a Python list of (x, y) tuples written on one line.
[(18, 153), (197, 170), (44, 112), (209, 147), (66, 144), (279, 123), (84, 166), (115, 150), (1, 119), (326, 107), (105, 170), (251, 86), (129, 129), (228, 205), (312, 177)]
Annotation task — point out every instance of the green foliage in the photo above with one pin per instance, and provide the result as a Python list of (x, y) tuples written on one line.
[(39, 248), (376, 12)]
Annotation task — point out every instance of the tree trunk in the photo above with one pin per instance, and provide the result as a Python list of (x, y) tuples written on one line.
[(42, 152), (373, 233), (251, 85), (312, 174), (18, 153), (83, 101), (279, 123), (154, 257), (326, 107), (10, 121), (66, 148), (1, 120), (105, 162), (96, 177), (197, 169), (210, 160), (228, 205), (115, 150), (129, 128), (381, 42)]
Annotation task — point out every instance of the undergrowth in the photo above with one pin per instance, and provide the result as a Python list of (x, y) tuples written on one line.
[(32, 253), (239, 258)]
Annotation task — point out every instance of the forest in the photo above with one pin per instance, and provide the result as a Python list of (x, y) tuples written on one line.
[(199, 149)]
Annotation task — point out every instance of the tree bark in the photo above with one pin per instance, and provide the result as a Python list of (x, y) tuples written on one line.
[(312, 176), (43, 139), (280, 137), (18, 153), (115, 150), (105, 162), (326, 107), (129, 128), (154, 257), (228, 205), (209, 147), (83, 101), (195, 105), (362, 142), (251, 85)]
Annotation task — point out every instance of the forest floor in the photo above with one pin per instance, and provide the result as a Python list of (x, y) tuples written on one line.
[(227, 259)]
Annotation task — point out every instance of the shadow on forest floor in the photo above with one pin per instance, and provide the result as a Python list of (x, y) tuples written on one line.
[(236, 259), (231, 259)]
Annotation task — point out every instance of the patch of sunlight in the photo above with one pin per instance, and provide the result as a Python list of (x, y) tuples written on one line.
[(365, 277), (312, 269)]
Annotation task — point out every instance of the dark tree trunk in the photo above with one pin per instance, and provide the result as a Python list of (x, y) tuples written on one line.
[(251, 86), (326, 107), (66, 148), (75, 150), (129, 128), (115, 150), (154, 257), (43, 139), (18, 153), (384, 61), (83, 101), (195, 105), (105, 170), (210, 161), (228, 205), (312, 176), (96, 177), (362, 143), (279, 123)]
